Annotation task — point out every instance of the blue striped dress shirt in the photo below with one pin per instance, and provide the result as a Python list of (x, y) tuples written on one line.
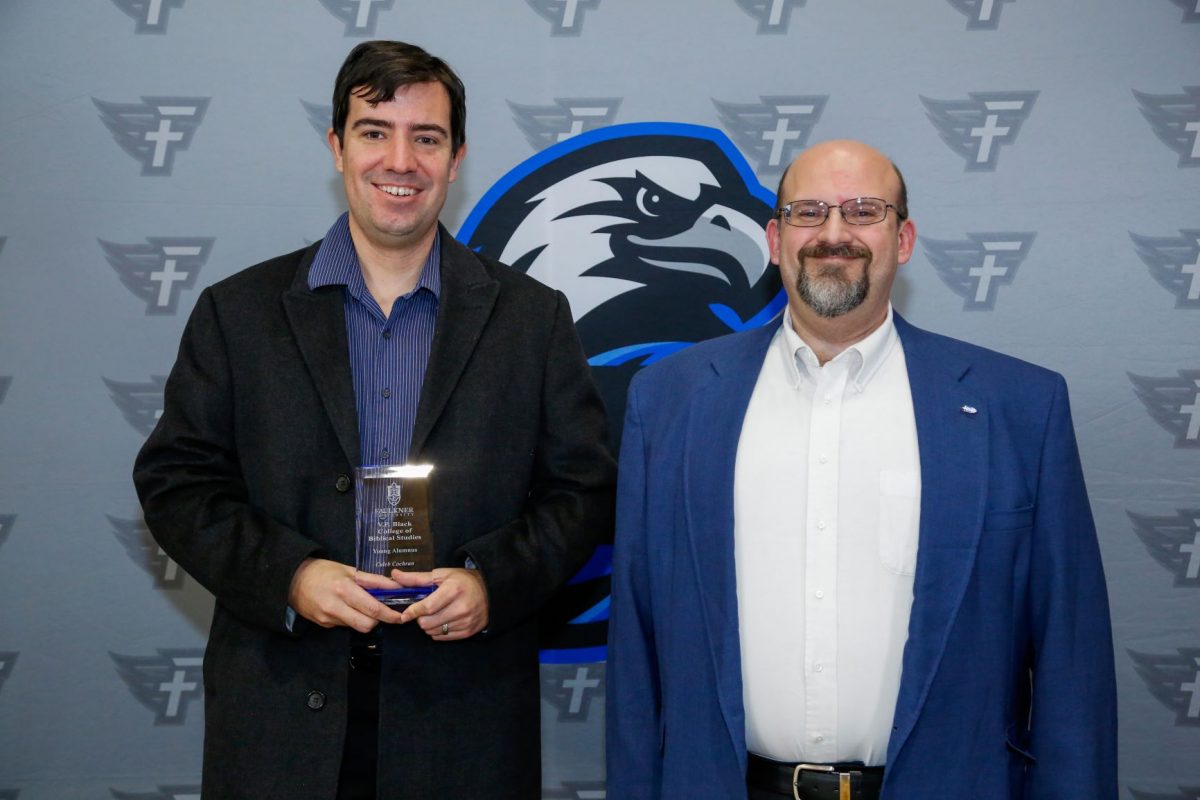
[(388, 355)]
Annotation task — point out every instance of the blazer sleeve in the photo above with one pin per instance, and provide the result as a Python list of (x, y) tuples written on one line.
[(570, 504), (1073, 726), (634, 703), (195, 501)]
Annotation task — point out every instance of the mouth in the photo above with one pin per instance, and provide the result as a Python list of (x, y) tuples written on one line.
[(396, 191), (830, 265), (825, 260)]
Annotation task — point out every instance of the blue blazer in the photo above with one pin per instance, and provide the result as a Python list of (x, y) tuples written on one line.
[(1007, 687)]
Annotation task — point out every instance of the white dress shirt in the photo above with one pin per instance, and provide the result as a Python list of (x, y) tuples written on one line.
[(826, 505)]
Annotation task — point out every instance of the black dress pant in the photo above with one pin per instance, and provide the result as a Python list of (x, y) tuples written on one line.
[(360, 754)]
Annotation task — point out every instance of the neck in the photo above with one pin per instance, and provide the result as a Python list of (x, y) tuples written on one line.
[(390, 272), (829, 337)]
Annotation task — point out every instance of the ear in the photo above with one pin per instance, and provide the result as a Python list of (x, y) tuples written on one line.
[(908, 240), (458, 157), (335, 146), (773, 234)]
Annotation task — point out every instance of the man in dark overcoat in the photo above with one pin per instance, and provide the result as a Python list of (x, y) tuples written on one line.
[(387, 342)]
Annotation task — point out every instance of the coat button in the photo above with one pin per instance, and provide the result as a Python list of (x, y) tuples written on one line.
[(316, 700), (343, 483)]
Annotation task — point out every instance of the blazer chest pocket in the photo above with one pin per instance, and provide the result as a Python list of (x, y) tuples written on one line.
[(899, 520)]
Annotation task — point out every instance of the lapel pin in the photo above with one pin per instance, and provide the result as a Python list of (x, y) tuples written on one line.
[(969, 410)]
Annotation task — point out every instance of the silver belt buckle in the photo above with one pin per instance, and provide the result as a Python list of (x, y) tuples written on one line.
[(810, 768)]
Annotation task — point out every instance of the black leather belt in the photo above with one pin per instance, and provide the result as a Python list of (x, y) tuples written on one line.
[(850, 781)]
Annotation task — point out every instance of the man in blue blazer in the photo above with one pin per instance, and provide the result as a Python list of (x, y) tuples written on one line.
[(758, 647)]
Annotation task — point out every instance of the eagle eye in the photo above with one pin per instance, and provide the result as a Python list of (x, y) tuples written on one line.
[(648, 202)]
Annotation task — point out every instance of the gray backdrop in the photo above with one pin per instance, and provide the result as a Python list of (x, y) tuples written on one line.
[(151, 147)]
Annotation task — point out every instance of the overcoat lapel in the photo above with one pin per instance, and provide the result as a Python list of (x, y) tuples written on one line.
[(952, 435), (714, 427), (318, 321), (466, 302)]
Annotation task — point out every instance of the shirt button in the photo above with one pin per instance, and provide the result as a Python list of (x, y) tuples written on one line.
[(387, 334), (385, 455), (819, 668), (821, 525), (819, 593), (823, 459), (818, 738), (386, 393), (316, 700)]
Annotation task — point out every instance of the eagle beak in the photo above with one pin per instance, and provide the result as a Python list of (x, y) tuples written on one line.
[(730, 234)]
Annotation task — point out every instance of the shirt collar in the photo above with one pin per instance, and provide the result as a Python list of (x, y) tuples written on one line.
[(336, 263), (862, 359)]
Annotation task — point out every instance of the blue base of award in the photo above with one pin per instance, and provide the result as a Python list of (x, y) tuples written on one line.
[(401, 597)]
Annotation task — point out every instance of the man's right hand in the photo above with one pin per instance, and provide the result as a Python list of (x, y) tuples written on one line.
[(326, 592)]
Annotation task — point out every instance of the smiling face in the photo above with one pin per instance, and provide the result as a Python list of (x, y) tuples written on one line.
[(397, 163), (839, 271)]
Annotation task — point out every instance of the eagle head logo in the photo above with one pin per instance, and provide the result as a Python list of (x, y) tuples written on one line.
[(654, 232)]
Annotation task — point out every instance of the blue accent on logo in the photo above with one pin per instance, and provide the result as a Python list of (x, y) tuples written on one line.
[(656, 351), (735, 323), (597, 613), (578, 655), (653, 351)]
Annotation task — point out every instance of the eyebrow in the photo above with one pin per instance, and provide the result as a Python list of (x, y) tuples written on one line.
[(419, 127)]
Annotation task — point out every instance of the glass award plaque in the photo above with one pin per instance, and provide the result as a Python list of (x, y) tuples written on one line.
[(392, 508)]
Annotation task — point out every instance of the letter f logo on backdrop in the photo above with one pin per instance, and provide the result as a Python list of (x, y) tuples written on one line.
[(360, 16), (154, 130), (150, 15), (976, 128)]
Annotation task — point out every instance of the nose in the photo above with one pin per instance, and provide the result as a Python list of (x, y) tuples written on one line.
[(400, 156), (835, 230)]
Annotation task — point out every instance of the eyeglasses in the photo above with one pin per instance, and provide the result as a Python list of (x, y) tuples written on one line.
[(859, 211)]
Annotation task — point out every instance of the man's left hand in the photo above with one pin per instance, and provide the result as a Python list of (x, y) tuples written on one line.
[(459, 605)]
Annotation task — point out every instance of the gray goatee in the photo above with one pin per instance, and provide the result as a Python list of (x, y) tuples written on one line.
[(831, 294)]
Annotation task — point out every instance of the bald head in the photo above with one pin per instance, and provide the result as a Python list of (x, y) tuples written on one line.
[(844, 157)]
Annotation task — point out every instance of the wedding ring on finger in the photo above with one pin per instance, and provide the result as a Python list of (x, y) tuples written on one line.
[(445, 629)]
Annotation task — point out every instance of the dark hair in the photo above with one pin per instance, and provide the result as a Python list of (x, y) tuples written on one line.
[(375, 70), (901, 200)]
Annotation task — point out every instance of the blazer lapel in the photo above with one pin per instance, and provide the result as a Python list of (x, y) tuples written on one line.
[(714, 428), (318, 321), (952, 434), (468, 296)]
